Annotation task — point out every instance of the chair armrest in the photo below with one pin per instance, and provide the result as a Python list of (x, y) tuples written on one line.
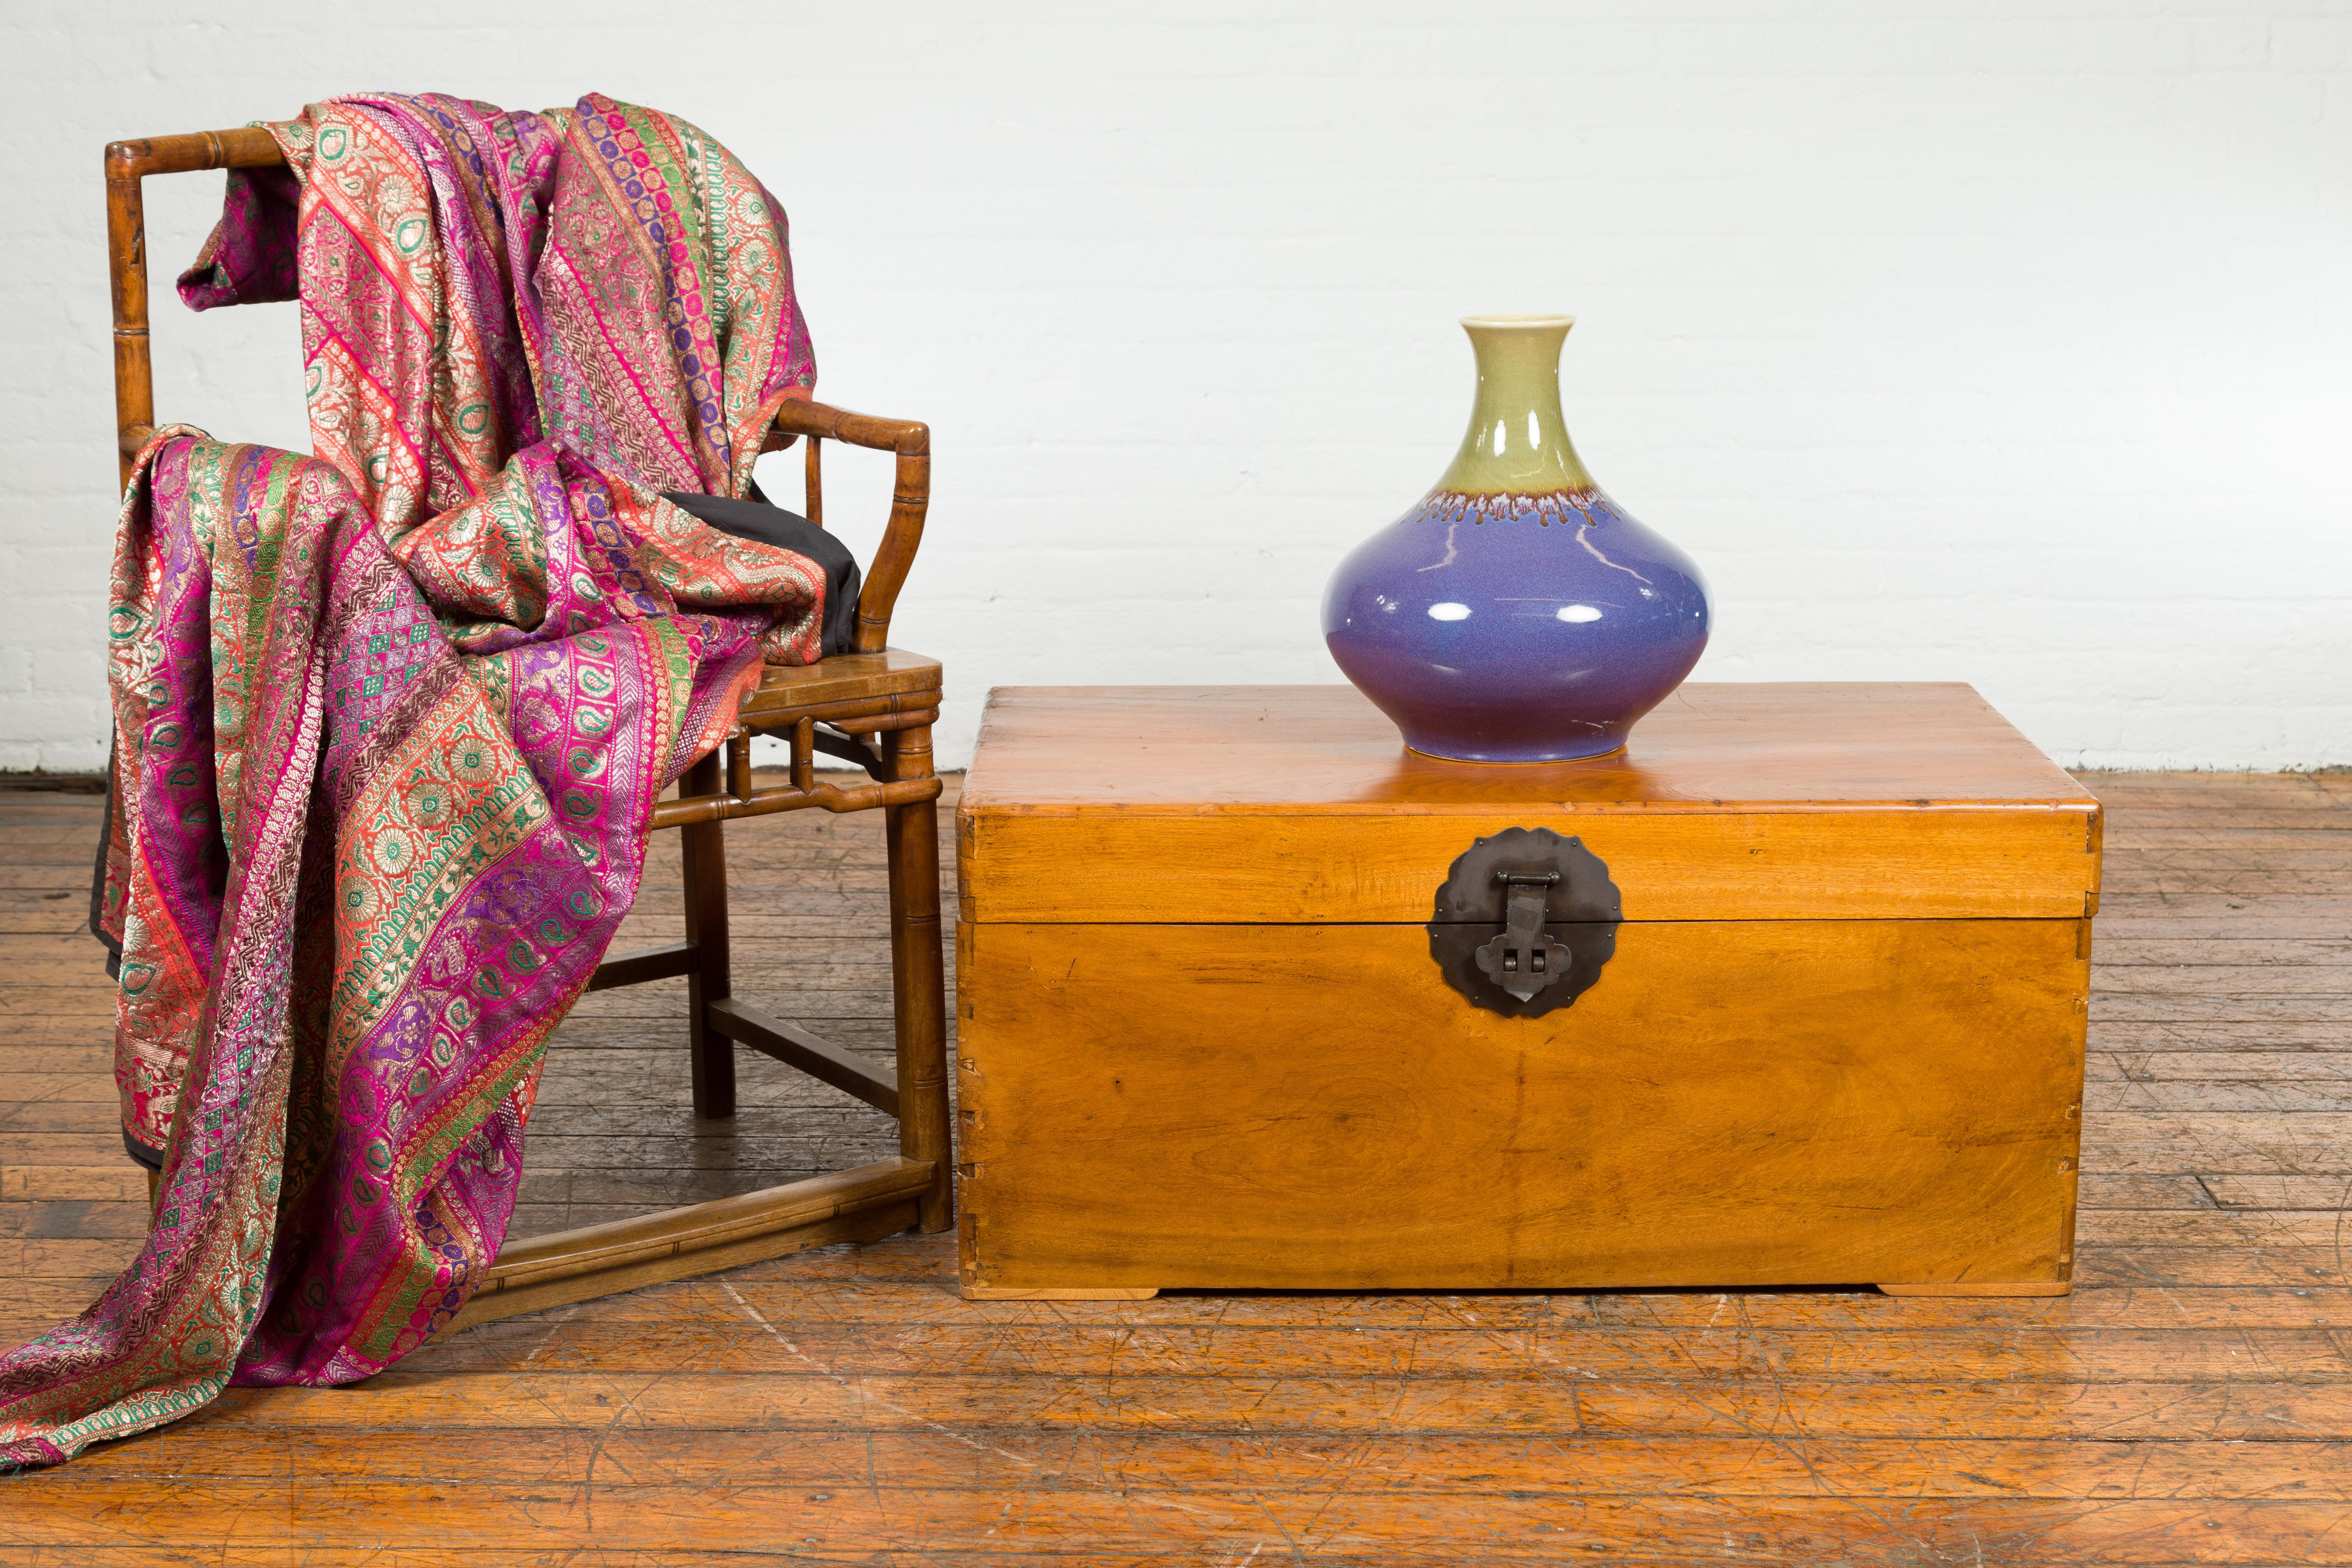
[(247, 147), (909, 498)]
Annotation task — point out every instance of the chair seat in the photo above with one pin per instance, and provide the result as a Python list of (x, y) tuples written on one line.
[(868, 679)]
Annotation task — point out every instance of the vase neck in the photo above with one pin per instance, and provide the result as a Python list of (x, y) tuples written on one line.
[(1517, 443)]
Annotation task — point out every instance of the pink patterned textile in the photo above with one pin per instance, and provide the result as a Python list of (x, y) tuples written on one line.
[(389, 721)]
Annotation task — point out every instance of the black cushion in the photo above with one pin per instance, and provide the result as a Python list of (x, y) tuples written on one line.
[(756, 520)]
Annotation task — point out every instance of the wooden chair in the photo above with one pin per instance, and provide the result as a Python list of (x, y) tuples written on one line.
[(876, 705)]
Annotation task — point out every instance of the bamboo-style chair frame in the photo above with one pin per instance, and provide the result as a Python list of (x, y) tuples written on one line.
[(878, 704)]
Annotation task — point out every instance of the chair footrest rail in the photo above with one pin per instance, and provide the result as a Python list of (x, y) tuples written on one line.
[(863, 1203)]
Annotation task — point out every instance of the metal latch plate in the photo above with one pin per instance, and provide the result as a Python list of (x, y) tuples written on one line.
[(1524, 921)]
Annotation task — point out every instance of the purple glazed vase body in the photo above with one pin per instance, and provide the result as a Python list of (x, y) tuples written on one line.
[(1515, 615)]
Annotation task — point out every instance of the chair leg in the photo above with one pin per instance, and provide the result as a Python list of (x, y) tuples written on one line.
[(704, 846), (918, 982)]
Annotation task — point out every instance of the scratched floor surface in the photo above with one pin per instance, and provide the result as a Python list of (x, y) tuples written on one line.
[(2191, 1402)]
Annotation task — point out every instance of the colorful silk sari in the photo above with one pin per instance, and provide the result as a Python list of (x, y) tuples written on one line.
[(391, 719)]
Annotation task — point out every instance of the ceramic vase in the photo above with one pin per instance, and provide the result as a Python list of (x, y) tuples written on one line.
[(1515, 615)]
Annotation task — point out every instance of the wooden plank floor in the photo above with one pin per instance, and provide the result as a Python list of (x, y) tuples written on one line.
[(2191, 1402)]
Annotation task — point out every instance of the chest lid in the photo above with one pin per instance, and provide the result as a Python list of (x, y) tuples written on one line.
[(1297, 804)]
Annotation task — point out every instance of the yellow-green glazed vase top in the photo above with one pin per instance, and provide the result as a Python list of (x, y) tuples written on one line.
[(1517, 442)]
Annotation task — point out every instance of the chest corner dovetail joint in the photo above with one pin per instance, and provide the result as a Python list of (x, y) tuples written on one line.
[(1793, 993)]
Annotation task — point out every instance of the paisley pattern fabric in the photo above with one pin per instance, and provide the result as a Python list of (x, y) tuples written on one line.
[(391, 719)]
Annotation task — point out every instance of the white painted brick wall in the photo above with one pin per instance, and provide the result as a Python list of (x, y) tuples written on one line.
[(1973, 339)]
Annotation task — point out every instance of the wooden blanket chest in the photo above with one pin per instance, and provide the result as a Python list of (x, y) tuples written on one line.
[(1790, 993)]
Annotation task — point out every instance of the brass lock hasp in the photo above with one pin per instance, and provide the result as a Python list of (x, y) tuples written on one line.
[(1557, 909)]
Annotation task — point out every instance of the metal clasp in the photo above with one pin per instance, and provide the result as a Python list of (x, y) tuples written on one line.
[(1558, 912), (1524, 960)]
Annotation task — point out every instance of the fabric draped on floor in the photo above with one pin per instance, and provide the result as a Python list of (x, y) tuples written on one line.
[(390, 719)]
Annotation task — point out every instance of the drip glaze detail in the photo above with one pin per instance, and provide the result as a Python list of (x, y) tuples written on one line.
[(1587, 506)]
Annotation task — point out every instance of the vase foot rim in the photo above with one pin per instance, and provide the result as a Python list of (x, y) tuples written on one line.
[(1616, 750)]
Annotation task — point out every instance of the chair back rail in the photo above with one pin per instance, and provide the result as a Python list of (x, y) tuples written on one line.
[(251, 147)]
